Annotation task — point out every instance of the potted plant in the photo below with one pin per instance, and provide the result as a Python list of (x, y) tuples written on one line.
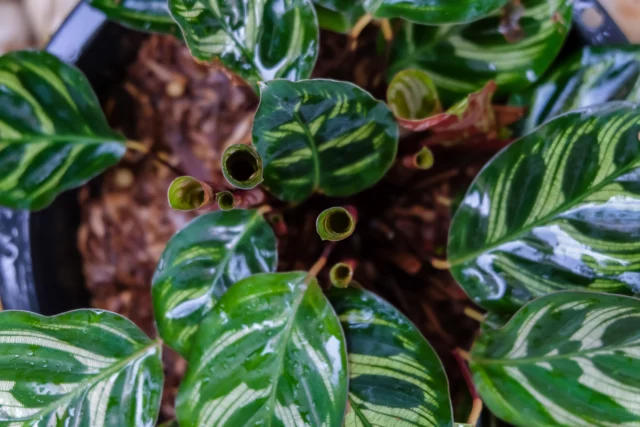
[(543, 239)]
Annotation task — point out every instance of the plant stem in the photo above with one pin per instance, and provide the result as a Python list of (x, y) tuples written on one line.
[(357, 29), (264, 209), (461, 356), (387, 31), (141, 148), (322, 261), (474, 314)]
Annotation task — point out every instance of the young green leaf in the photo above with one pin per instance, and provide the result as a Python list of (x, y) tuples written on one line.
[(461, 59), (433, 12), (187, 193), (242, 166), (412, 96), (338, 15), (259, 41), (396, 379), (556, 210), (270, 353), (567, 359), (322, 136), (335, 224), (143, 15), (596, 75), (201, 262), (226, 200), (53, 133), (86, 368)]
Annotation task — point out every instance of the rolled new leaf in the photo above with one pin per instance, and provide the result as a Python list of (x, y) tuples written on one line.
[(187, 193), (566, 359), (335, 224), (270, 353), (558, 209), (396, 378), (411, 95), (53, 133), (341, 274), (200, 263), (242, 166), (226, 200), (143, 15), (85, 367), (423, 159)]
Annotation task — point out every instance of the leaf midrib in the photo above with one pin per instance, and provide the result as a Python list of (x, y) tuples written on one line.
[(314, 151), (92, 381), (58, 138)]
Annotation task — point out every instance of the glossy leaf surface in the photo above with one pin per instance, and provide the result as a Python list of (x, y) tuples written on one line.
[(463, 58), (567, 359), (596, 75), (396, 379), (53, 133), (556, 210), (259, 41), (143, 15), (338, 15), (270, 353), (433, 12), (86, 368), (322, 136), (201, 262)]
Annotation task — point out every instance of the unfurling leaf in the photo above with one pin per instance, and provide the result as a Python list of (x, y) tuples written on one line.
[(322, 136), (270, 353), (558, 209), (85, 367), (341, 274), (598, 74), (53, 133), (412, 96), (433, 12), (566, 359), (226, 200), (335, 224), (242, 166), (396, 379), (201, 262), (143, 15), (259, 41), (461, 59), (187, 193)]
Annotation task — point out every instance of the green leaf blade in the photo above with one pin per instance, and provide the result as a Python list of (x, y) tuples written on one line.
[(338, 15), (322, 136), (271, 352), (395, 376), (201, 262), (258, 41), (77, 367), (145, 15), (564, 359), (53, 133), (430, 12), (556, 210)]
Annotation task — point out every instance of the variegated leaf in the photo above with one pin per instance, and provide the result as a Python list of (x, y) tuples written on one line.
[(433, 12), (396, 379), (558, 209), (596, 75), (463, 58), (322, 136), (53, 133), (88, 368), (270, 353), (201, 262), (567, 359), (144, 15), (257, 39)]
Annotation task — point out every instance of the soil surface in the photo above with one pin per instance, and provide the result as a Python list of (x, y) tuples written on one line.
[(188, 114)]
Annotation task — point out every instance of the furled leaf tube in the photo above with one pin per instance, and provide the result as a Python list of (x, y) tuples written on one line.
[(242, 166), (341, 274), (335, 224), (226, 200), (187, 193)]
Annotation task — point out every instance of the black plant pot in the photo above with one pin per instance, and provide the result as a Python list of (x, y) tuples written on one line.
[(40, 266)]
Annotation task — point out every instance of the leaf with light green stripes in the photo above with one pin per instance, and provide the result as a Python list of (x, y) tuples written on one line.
[(270, 353), (322, 136), (257, 39), (596, 75), (338, 15), (433, 12), (461, 59), (53, 133), (396, 379), (201, 262), (82, 368), (143, 15), (566, 359), (557, 210)]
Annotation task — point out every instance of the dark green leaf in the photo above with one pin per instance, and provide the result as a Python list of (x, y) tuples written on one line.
[(270, 353), (53, 134), (322, 136), (433, 12), (396, 379), (144, 15), (338, 15), (567, 359), (596, 75), (201, 262), (82, 368), (461, 59), (556, 210), (259, 41)]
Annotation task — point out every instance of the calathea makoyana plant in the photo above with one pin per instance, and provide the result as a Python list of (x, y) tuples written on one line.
[(545, 239)]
